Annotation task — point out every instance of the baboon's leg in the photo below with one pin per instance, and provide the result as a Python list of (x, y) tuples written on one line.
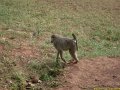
[(73, 54), (61, 55), (57, 56)]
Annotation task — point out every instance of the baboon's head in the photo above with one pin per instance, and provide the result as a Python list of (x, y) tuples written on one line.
[(53, 38)]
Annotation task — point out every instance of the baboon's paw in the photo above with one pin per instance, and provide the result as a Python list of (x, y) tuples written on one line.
[(75, 62)]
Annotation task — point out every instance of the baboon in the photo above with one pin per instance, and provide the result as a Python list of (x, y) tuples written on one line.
[(63, 44)]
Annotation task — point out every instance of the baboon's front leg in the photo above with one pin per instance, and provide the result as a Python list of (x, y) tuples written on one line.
[(61, 55), (57, 56)]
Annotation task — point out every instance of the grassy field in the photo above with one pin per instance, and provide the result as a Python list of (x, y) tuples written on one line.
[(96, 24)]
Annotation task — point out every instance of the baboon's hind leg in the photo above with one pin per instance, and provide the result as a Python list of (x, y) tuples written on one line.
[(73, 54)]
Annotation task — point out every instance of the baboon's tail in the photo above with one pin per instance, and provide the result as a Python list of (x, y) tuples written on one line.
[(74, 37)]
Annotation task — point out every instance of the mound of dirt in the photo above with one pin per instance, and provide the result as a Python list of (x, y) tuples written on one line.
[(93, 73)]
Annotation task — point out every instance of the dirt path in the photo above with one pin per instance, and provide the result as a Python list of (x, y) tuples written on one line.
[(87, 74)]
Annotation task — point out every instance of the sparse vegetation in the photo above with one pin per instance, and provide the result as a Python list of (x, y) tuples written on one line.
[(47, 72), (26, 27), (19, 81)]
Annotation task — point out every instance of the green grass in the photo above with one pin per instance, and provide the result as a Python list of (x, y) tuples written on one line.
[(19, 80), (96, 24), (47, 72)]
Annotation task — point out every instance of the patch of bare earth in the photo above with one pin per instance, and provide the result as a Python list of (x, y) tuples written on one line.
[(25, 51), (88, 74)]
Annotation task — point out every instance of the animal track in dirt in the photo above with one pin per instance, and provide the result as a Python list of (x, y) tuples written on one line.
[(91, 73)]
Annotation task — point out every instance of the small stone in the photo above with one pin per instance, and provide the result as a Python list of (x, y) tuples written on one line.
[(35, 79), (39, 81), (9, 81), (114, 76), (29, 85), (96, 80)]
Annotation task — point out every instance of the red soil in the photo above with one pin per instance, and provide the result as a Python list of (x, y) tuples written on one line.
[(89, 74)]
